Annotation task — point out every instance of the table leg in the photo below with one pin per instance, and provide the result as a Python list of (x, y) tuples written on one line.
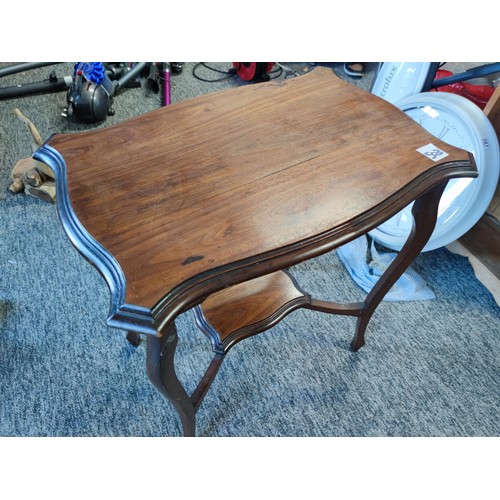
[(134, 338), (205, 383), (424, 213), (160, 368)]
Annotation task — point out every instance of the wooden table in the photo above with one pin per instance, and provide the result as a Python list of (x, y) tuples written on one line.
[(204, 204)]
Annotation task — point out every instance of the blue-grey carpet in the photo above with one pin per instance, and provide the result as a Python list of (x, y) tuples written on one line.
[(429, 368)]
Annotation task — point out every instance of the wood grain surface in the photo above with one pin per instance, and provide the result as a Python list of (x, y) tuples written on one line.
[(249, 303), (226, 176)]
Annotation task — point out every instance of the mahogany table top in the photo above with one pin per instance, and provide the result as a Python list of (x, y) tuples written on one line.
[(218, 189)]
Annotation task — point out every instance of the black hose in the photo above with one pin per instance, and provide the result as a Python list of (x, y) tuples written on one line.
[(20, 67), (52, 85)]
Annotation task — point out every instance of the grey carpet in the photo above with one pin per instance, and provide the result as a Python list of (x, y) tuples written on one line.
[(429, 368)]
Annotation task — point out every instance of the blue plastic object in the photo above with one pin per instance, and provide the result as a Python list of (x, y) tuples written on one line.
[(92, 71)]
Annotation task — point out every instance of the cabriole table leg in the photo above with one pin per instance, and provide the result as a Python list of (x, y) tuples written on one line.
[(160, 368), (424, 211)]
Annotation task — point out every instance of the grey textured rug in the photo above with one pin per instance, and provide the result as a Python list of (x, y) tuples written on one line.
[(428, 368)]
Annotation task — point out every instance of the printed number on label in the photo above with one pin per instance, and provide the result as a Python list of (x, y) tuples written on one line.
[(432, 152)]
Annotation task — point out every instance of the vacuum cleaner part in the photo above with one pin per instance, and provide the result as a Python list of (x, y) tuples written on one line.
[(253, 71), (460, 123)]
